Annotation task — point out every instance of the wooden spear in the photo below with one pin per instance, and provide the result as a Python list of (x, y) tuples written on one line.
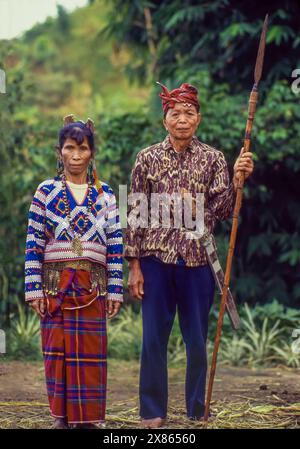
[(251, 112)]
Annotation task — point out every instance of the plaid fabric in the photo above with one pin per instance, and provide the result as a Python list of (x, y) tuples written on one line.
[(74, 345)]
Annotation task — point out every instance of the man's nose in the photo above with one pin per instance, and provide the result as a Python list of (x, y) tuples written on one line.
[(182, 118)]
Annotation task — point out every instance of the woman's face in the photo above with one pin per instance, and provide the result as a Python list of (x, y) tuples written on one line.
[(76, 157)]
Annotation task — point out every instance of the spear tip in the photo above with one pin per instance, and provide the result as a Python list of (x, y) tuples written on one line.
[(261, 51)]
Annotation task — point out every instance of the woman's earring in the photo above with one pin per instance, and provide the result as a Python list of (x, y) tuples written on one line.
[(90, 171), (59, 166)]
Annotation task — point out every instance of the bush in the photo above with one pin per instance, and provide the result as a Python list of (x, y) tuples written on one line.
[(23, 340), (262, 340)]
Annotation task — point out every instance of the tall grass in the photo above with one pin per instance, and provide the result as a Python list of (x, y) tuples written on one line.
[(23, 339), (264, 339)]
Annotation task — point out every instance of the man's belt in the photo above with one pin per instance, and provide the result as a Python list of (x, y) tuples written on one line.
[(211, 252)]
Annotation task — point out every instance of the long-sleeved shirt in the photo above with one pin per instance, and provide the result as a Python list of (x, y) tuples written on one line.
[(160, 169), (49, 236)]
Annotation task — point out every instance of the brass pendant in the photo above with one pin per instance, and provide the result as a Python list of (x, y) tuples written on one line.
[(77, 246)]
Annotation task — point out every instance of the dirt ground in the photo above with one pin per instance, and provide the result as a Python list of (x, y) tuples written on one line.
[(242, 398)]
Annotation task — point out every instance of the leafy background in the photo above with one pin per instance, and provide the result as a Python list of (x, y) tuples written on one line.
[(102, 61)]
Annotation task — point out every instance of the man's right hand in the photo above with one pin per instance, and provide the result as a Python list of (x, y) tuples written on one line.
[(135, 279)]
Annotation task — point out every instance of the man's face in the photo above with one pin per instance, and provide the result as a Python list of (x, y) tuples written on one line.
[(182, 121), (76, 157)]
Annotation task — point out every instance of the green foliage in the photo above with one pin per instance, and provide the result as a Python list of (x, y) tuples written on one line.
[(264, 338), (261, 341), (220, 35), (287, 356), (23, 337), (43, 50), (233, 350), (124, 335), (67, 67), (63, 20)]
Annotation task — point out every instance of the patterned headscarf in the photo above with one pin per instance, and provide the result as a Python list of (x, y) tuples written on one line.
[(186, 93)]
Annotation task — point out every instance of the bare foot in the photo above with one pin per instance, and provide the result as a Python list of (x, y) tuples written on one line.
[(85, 426), (59, 423), (153, 423)]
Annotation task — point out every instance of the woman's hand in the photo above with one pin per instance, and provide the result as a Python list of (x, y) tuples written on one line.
[(112, 308), (39, 306), (135, 279), (244, 163)]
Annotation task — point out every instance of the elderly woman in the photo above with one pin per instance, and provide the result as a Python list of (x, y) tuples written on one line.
[(73, 277)]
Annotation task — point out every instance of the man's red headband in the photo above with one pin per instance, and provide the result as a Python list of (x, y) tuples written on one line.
[(186, 93)]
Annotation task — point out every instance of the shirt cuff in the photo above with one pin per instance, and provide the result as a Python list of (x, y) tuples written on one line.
[(116, 297), (34, 299), (131, 252)]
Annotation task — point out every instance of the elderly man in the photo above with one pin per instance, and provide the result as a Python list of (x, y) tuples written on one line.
[(167, 270)]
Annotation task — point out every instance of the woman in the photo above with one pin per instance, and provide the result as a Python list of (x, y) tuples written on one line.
[(73, 277)]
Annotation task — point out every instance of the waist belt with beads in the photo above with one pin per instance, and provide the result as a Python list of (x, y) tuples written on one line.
[(51, 273)]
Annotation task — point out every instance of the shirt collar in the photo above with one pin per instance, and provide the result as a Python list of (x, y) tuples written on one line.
[(167, 145)]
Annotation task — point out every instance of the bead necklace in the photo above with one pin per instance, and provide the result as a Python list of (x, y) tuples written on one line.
[(76, 242)]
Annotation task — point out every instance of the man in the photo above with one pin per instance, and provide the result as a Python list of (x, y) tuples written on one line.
[(168, 270)]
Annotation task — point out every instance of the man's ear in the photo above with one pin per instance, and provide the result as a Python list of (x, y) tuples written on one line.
[(165, 124), (199, 118)]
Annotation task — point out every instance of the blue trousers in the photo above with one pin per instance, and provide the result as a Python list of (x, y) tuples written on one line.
[(190, 290)]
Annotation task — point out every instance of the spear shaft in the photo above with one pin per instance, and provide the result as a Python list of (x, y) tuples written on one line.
[(238, 202)]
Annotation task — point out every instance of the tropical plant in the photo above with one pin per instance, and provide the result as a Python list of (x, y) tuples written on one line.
[(233, 350), (260, 343), (125, 335), (287, 355), (23, 337)]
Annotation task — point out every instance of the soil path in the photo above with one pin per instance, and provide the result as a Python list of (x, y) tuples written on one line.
[(242, 398)]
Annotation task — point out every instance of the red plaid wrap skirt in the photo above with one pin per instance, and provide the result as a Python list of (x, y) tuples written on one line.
[(74, 344)]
